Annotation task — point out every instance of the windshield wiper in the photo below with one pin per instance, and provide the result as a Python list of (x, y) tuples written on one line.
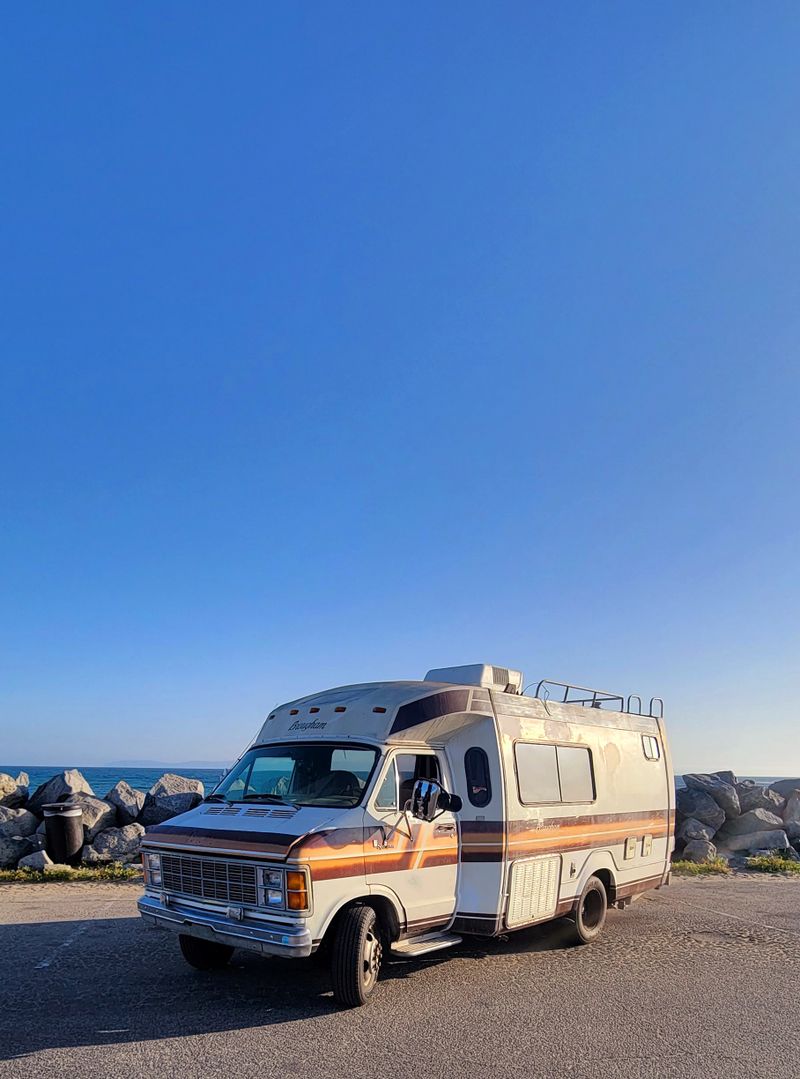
[(215, 798), (271, 798)]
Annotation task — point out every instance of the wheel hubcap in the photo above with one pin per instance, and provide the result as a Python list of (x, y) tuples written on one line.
[(371, 958)]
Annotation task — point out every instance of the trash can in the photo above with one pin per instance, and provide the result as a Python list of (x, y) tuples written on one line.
[(63, 824)]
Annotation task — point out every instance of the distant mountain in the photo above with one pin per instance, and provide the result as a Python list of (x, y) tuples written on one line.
[(168, 764)]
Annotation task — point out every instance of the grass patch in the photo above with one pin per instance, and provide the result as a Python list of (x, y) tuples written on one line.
[(713, 866), (772, 863), (115, 871)]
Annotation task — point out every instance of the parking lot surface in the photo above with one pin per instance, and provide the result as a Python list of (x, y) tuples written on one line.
[(699, 979)]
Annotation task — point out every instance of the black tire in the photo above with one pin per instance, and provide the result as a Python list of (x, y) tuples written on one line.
[(590, 913), (204, 954), (356, 956)]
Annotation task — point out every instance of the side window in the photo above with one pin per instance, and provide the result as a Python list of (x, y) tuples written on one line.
[(554, 773), (410, 768), (386, 798), (575, 773), (652, 750), (476, 766), (537, 773)]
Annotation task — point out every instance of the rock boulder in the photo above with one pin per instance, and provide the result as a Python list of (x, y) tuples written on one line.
[(12, 848), (699, 850), (724, 794), (165, 806), (13, 792), (785, 787), (97, 814), (118, 844), (128, 800), (755, 820), (168, 797), (775, 839), (169, 783), (726, 777), (691, 828), (700, 806), (17, 822), (791, 816), (754, 795), (58, 789), (38, 860)]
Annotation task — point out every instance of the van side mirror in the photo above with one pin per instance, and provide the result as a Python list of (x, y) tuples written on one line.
[(429, 800)]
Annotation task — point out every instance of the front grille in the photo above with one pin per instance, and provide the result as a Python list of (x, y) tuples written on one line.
[(209, 878)]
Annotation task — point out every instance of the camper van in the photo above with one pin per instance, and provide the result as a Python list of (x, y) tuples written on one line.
[(395, 818)]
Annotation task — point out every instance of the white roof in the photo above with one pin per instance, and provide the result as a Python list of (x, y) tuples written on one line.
[(366, 711)]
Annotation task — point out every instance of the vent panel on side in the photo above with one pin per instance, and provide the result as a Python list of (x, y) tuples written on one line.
[(533, 894)]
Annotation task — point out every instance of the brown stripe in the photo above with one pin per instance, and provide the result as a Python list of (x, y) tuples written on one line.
[(489, 847), (472, 828), (239, 836), (428, 708), (217, 844), (396, 861)]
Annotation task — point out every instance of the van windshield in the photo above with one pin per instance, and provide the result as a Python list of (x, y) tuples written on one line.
[(300, 773)]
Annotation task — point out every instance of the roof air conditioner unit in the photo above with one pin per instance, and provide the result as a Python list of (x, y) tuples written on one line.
[(479, 674)]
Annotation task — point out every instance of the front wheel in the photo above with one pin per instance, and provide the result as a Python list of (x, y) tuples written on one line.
[(590, 915), (204, 954), (356, 956)]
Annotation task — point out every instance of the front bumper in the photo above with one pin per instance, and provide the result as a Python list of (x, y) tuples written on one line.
[(290, 941)]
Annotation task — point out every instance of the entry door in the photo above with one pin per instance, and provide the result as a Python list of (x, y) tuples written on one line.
[(418, 860)]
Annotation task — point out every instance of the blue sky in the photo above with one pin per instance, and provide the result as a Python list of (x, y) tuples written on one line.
[(341, 343)]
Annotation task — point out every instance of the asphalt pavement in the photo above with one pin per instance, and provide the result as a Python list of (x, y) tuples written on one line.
[(699, 979)]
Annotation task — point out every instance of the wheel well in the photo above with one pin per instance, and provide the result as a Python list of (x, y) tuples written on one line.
[(383, 907), (607, 878)]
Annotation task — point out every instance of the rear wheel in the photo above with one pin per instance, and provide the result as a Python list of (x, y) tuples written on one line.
[(590, 915), (356, 956), (204, 954)]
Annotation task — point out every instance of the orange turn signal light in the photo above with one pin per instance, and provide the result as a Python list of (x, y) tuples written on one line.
[(296, 891)]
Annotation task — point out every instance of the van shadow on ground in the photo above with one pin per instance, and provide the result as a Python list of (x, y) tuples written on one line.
[(116, 981)]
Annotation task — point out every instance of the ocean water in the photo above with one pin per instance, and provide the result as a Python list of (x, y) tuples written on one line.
[(101, 780)]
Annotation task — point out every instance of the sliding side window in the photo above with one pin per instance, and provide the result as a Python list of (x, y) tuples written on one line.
[(537, 773), (547, 773)]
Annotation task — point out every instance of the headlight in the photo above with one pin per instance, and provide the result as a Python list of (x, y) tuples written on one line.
[(272, 888), (282, 890), (152, 869)]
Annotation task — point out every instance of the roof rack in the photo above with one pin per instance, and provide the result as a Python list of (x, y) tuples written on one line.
[(598, 698)]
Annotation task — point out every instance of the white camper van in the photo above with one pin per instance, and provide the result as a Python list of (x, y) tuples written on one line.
[(395, 817)]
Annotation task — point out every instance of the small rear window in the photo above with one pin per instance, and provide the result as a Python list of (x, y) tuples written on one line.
[(652, 750), (476, 766)]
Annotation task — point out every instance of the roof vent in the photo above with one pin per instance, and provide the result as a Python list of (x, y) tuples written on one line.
[(478, 674)]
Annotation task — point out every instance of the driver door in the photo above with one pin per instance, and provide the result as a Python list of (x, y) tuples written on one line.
[(417, 860)]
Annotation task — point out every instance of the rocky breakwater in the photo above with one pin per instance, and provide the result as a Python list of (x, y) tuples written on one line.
[(113, 825), (718, 814)]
